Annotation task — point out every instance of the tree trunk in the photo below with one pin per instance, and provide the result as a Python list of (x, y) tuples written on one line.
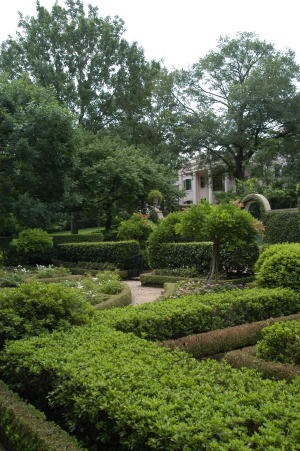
[(214, 265), (74, 223)]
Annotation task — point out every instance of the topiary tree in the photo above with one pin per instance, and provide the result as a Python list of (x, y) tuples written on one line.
[(137, 227)]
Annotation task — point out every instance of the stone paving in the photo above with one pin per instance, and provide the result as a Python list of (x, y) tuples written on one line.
[(140, 294)]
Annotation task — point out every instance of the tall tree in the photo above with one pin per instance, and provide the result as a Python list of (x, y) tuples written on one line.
[(235, 98), (83, 56)]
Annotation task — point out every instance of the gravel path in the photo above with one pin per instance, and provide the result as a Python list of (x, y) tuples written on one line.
[(140, 294)]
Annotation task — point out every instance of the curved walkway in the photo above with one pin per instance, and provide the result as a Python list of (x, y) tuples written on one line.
[(140, 294)]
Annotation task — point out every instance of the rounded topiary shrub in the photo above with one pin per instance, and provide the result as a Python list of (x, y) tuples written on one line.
[(281, 343), (279, 267), (32, 246)]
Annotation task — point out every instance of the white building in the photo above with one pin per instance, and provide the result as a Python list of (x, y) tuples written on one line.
[(203, 183)]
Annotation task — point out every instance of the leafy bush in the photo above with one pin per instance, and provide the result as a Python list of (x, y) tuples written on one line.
[(181, 255), (202, 287), (165, 231), (123, 254), (31, 246), (80, 238), (116, 391), (50, 271), (13, 277), (281, 343), (22, 427), (282, 226), (280, 266), (239, 259), (173, 318), (33, 308), (137, 227)]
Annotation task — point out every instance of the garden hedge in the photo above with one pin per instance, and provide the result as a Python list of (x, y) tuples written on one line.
[(174, 318), (123, 254), (282, 226), (91, 237), (24, 428), (118, 300), (117, 391)]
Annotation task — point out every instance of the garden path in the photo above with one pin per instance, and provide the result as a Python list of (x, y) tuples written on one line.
[(140, 294)]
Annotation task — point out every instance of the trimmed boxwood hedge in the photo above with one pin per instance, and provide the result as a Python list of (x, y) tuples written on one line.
[(92, 237), (123, 254), (174, 318), (117, 300), (24, 428), (117, 391), (282, 226)]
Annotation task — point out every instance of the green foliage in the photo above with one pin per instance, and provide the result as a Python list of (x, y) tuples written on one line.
[(155, 197), (282, 226), (24, 427), (50, 271), (34, 308), (279, 266), (137, 227), (165, 231), (13, 277), (193, 314), (31, 246), (239, 260), (192, 222), (123, 254), (280, 343), (80, 238), (113, 390)]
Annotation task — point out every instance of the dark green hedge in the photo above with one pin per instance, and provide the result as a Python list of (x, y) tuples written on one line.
[(92, 237), (116, 391), (156, 280), (174, 318), (175, 255), (123, 254), (24, 428), (282, 226)]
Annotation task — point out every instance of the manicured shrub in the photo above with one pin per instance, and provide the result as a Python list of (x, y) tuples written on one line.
[(280, 268), (31, 246), (156, 280), (281, 343), (22, 427), (34, 308), (78, 238), (123, 254), (137, 227), (181, 255), (282, 226), (239, 260), (116, 391), (268, 252), (174, 318)]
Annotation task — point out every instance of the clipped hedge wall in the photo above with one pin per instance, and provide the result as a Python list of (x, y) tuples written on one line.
[(118, 300), (174, 318), (91, 237), (176, 255), (117, 391), (282, 226), (24, 428), (123, 254)]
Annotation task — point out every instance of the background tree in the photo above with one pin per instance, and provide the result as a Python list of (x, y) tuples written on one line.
[(235, 98)]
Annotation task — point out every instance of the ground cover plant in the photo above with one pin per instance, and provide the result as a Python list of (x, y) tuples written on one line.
[(174, 318), (187, 287), (13, 277), (280, 343), (117, 391)]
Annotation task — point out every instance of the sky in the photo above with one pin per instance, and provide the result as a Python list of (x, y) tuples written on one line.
[(179, 32)]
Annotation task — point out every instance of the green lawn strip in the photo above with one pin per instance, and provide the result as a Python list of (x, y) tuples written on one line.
[(174, 318), (24, 428), (227, 339), (117, 391), (247, 358)]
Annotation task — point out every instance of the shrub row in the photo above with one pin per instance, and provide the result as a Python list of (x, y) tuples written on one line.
[(282, 226), (281, 343), (156, 280), (246, 358), (92, 237), (116, 391), (34, 308), (123, 254), (222, 340), (198, 255), (22, 427), (118, 300), (174, 318)]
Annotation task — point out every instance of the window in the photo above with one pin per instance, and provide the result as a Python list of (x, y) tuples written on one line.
[(202, 181), (218, 182), (187, 184)]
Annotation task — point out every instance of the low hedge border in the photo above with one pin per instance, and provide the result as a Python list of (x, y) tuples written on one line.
[(56, 279), (59, 239), (174, 318), (246, 358), (23, 427), (117, 391), (223, 340), (155, 280), (118, 300)]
